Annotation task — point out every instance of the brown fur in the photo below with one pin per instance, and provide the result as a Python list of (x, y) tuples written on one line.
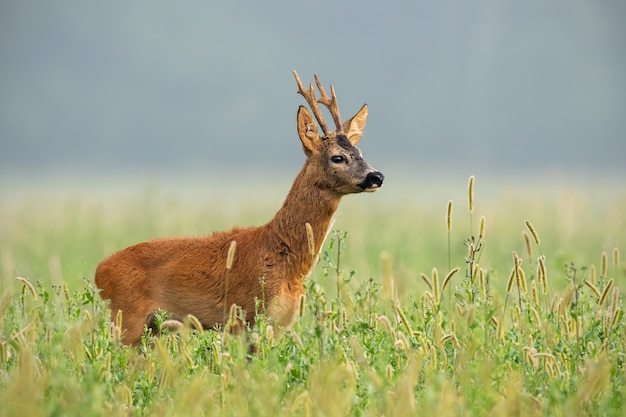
[(189, 275)]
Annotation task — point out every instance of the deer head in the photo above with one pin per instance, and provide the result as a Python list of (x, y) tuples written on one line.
[(334, 156)]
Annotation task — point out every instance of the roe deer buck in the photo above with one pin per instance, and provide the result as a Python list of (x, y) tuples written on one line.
[(190, 275)]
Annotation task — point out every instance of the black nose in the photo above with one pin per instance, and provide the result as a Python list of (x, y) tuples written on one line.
[(374, 179)]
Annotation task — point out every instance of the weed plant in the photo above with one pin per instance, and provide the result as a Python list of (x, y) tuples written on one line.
[(519, 333)]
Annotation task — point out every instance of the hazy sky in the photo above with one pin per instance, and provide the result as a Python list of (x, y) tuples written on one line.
[(500, 87)]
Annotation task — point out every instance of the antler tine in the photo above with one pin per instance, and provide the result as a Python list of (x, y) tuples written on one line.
[(330, 103), (309, 96)]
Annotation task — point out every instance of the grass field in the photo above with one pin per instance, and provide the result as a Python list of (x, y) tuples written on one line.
[(387, 327)]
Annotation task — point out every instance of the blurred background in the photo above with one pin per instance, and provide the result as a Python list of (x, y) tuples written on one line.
[(116, 90)]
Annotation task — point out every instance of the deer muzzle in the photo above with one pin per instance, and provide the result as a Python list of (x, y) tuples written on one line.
[(373, 181)]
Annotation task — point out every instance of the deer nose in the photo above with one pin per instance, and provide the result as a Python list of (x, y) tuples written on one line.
[(374, 180)]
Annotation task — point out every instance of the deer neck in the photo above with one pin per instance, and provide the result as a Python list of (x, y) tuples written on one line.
[(306, 203)]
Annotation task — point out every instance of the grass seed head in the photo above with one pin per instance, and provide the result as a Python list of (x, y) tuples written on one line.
[(310, 239), (512, 278), (615, 298), (192, 321), (448, 277), (470, 194), (500, 329), (541, 261), (427, 280), (533, 232), (460, 310), (536, 315), (521, 276), (384, 321), (445, 338), (402, 342), (616, 257), (403, 318), (27, 285), (533, 290), (471, 312), (301, 306), (449, 216), (592, 274), (615, 317), (483, 283), (603, 264), (529, 249), (517, 317), (230, 257), (437, 294), (605, 292), (593, 288), (433, 357), (481, 229)]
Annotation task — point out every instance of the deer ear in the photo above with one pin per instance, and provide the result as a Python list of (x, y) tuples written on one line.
[(354, 127), (307, 130)]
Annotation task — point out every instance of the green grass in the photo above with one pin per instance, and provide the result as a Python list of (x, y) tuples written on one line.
[(378, 334)]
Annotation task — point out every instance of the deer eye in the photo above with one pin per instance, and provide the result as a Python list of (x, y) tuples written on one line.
[(337, 159)]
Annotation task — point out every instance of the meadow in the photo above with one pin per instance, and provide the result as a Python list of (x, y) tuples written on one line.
[(495, 299)]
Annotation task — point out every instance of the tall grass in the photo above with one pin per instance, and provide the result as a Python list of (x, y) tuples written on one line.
[(515, 325)]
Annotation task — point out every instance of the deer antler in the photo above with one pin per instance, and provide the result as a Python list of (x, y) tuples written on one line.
[(331, 104)]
